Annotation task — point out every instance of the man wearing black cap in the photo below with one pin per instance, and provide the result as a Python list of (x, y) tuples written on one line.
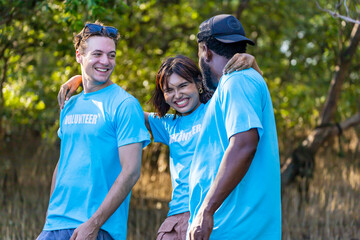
[(235, 173)]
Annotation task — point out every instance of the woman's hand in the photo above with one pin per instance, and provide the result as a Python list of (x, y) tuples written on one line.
[(68, 89), (241, 61)]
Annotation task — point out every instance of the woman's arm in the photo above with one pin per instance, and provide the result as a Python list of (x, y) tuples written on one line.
[(241, 61), (68, 89)]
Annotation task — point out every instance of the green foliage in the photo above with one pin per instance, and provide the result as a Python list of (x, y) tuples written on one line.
[(297, 48)]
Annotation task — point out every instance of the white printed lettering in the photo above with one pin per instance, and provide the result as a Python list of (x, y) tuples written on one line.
[(185, 136), (80, 119)]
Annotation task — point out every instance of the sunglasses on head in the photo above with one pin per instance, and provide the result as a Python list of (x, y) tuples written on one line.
[(95, 28)]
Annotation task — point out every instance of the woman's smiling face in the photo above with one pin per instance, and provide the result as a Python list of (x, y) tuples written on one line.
[(181, 94)]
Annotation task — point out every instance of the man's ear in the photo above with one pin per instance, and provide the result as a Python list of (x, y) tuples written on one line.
[(207, 53), (78, 56)]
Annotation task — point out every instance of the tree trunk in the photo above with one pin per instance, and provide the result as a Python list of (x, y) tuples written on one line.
[(2, 101), (242, 6), (339, 77), (302, 160)]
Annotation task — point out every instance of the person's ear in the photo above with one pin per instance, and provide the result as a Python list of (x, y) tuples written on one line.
[(208, 53), (78, 56)]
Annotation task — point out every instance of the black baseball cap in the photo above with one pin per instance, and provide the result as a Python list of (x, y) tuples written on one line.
[(225, 28)]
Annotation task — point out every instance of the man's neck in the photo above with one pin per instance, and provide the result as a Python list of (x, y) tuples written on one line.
[(219, 66), (90, 86)]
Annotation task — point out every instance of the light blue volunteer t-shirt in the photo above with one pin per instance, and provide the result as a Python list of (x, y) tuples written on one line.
[(181, 135), (92, 128), (253, 209)]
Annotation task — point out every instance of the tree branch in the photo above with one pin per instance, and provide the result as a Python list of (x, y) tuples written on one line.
[(339, 77), (305, 153), (350, 122), (337, 15)]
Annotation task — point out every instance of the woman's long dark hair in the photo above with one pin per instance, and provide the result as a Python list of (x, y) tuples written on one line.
[(185, 68)]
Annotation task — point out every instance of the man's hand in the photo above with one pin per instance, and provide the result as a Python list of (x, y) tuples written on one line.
[(68, 89), (202, 226), (86, 231)]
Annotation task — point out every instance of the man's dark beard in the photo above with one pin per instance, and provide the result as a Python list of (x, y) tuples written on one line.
[(208, 76)]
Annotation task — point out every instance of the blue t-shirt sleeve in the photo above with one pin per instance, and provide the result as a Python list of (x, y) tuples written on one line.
[(159, 132), (242, 104), (130, 123), (59, 133)]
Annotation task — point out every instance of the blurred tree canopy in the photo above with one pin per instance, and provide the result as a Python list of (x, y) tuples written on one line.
[(297, 47)]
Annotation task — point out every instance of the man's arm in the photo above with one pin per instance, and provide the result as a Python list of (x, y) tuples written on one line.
[(53, 181), (234, 165), (130, 160)]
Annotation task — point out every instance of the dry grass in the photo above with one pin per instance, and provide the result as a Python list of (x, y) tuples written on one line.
[(328, 210)]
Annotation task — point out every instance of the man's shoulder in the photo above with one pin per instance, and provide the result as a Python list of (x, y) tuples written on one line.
[(120, 96), (247, 78), (249, 73), (119, 91), (166, 117), (167, 121), (73, 99)]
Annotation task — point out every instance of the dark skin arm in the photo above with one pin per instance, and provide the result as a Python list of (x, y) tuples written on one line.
[(234, 165)]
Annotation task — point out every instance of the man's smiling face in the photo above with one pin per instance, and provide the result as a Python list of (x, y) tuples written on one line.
[(98, 59)]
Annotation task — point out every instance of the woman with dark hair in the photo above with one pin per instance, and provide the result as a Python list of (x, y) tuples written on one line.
[(179, 85), (186, 69)]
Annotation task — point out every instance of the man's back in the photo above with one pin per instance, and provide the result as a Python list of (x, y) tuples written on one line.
[(252, 211)]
